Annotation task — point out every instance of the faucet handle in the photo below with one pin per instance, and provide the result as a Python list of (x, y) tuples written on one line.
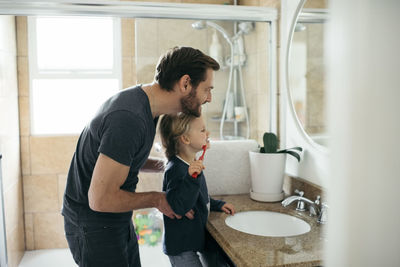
[(314, 210), (300, 193), (300, 203), (323, 217)]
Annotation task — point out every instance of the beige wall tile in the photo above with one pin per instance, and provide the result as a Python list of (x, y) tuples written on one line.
[(316, 4), (134, 72), (250, 40), (263, 79), (127, 72), (49, 230), (270, 3), (262, 39), (25, 155), (16, 245), (24, 115), (13, 206), (23, 75), (41, 193), (173, 32), (62, 182), (22, 36), (252, 104), (162, 1), (263, 112), (29, 231), (128, 37), (145, 70), (217, 2), (250, 74), (315, 109), (249, 2), (218, 94), (51, 154), (146, 41), (9, 147), (146, 49)]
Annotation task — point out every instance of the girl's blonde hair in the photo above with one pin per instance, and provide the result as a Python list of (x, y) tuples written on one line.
[(171, 128)]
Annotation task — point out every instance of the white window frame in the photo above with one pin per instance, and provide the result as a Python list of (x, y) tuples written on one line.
[(36, 73)]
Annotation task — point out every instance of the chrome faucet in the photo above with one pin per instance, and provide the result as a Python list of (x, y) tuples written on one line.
[(315, 208)]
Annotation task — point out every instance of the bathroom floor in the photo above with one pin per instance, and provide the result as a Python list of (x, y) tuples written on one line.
[(149, 256)]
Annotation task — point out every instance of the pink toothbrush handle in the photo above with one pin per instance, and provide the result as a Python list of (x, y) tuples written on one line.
[(194, 175)]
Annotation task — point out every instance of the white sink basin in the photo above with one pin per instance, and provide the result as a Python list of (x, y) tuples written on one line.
[(267, 223)]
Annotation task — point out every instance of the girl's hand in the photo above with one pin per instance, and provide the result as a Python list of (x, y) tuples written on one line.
[(228, 209), (196, 167)]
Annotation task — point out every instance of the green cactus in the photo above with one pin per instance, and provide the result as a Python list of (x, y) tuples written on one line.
[(270, 143), (271, 146)]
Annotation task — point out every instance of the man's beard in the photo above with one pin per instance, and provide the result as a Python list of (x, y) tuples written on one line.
[(190, 104)]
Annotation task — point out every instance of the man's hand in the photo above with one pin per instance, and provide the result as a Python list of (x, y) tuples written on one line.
[(153, 165), (190, 214), (228, 209), (165, 208)]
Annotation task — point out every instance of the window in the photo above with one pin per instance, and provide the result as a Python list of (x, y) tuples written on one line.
[(74, 66)]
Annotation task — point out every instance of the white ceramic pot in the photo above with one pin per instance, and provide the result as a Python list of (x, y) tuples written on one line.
[(267, 174)]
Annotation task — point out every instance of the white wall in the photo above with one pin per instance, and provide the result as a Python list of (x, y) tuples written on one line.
[(364, 112)]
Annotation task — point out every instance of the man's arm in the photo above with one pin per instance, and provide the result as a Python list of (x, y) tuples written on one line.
[(105, 194), (153, 165)]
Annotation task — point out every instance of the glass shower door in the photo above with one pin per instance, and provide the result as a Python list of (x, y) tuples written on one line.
[(239, 107)]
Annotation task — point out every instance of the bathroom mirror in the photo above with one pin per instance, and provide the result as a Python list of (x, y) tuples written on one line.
[(296, 17), (306, 73)]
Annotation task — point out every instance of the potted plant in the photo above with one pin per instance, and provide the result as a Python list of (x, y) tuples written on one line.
[(267, 167)]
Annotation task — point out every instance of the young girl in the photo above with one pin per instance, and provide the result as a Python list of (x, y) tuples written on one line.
[(183, 136)]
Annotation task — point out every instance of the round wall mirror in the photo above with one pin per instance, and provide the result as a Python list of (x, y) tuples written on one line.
[(306, 73)]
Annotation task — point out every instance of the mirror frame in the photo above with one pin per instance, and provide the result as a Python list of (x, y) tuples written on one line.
[(313, 166)]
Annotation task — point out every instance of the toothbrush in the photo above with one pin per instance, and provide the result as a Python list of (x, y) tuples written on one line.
[(194, 175)]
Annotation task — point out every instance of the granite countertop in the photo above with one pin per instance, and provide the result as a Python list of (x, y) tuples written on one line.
[(251, 250)]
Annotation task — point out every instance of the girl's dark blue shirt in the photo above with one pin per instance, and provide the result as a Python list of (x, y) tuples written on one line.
[(183, 194)]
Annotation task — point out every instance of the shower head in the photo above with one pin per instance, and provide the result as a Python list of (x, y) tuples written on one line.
[(299, 27), (199, 25), (202, 24)]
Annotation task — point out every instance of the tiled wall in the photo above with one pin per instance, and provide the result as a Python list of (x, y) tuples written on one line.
[(10, 143), (315, 123), (45, 160)]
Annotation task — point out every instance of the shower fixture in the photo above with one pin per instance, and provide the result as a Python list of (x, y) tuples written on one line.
[(235, 62), (202, 24), (299, 27)]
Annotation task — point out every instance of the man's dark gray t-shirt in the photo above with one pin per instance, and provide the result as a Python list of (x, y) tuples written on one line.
[(123, 129)]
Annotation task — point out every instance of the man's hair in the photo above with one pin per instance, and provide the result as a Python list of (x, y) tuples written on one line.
[(171, 128), (179, 61)]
